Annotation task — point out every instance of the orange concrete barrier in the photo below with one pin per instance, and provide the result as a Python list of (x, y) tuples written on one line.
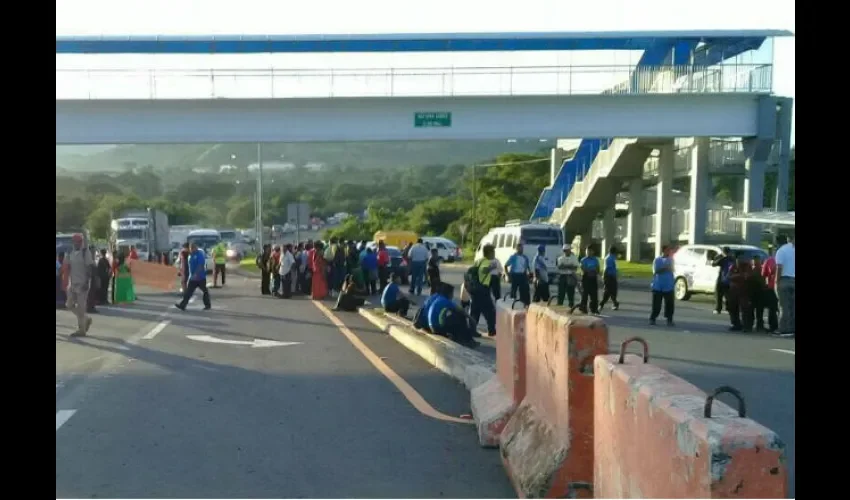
[(657, 436), (494, 401), (547, 445), (153, 275)]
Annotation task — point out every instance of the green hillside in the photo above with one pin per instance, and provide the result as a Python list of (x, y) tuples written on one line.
[(360, 155)]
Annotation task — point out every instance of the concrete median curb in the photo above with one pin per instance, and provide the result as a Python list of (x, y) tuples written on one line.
[(461, 363)]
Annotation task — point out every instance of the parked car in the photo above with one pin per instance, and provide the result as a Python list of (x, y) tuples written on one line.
[(398, 265), (447, 250), (694, 272)]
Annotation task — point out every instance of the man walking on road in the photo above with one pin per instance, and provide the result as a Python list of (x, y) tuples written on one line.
[(418, 255), (567, 265), (197, 278), (518, 268), (663, 282), (786, 288), (80, 269)]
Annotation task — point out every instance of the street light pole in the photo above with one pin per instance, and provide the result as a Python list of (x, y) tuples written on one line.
[(474, 203), (260, 194)]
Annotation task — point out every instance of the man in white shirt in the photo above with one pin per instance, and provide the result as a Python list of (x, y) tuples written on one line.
[(418, 255), (567, 265), (287, 266), (786, 273)]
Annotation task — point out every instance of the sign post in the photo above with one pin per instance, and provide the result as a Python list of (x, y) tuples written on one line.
[(423, 119)]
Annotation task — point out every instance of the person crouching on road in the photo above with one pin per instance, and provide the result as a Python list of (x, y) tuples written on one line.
[(197, 278), (609, 280), (450, 320), (80, 267), (541, 275), (663, 283), (567, 265), (393, 299)]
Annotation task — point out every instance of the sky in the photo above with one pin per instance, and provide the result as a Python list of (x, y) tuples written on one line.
[(281, 17)]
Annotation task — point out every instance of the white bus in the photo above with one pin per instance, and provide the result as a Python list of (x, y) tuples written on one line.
[(506, 238)]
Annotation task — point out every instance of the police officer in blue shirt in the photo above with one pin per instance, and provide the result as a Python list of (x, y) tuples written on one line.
[(589, 282), (663, 282), (609, 279)]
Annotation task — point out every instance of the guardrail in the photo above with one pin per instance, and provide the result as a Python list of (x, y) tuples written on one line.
[(166, 83)]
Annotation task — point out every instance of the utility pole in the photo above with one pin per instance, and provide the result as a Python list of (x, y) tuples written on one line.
[(298, 222), (260, 194), (474, 203)]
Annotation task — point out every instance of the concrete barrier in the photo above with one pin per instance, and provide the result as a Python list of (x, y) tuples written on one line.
[(547, 445), (470, 367), (657, 436), (494, 402)]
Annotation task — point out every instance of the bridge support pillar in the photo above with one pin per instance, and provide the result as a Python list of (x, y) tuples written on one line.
[(634, 221), (700, 188), (609, 230), (783, 132), (556, 160), (757, 151), (664, 197)]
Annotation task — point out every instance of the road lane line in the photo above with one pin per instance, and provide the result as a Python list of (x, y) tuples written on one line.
[(62, 416), (786, 351), (406, 389), (158, 328)]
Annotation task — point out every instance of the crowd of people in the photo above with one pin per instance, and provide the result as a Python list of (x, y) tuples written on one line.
[(750, 288), (83, 277)]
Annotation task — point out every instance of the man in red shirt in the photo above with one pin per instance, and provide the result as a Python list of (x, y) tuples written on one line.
[(383, 264), (767, 299)]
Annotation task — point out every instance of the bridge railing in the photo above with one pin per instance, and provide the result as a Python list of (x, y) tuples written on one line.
[(164, 83)]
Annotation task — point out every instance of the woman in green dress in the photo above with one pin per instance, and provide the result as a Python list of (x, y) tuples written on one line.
[(125, 292)]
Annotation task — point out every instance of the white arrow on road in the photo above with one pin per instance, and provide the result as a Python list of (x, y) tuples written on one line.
[(252, 343)]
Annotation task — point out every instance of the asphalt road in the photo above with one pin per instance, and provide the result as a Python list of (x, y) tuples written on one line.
[(146, 411), (701, 350)]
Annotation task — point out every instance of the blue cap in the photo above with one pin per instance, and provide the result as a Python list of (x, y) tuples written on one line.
[(541, 248)]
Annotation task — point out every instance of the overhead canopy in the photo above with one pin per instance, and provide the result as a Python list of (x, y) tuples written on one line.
[(769, 218), (407, 42)]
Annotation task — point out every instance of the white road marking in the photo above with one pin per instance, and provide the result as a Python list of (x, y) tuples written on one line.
[(62, 416), (155, 331), (252, 343), (785, 351)]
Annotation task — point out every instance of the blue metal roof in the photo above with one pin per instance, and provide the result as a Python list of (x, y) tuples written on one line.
[(410, 42)]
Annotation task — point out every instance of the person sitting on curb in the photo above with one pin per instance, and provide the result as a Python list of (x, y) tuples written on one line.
[(393, 300), (420, 319), (449, 320), (351, 296)]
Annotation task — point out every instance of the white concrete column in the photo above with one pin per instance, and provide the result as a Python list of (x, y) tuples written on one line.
[(700, 188), (783, 133), (609, 230), (664, 197), (634, 221), (556, 159), (755, 163)]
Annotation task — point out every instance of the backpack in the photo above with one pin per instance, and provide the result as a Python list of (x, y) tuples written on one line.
[(471, 279)]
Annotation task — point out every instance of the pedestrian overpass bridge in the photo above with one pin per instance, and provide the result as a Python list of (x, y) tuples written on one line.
[(710, 84)]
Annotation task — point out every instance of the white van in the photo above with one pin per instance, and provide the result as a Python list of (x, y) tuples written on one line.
[(206, 239), (506, 238), (447, 250)]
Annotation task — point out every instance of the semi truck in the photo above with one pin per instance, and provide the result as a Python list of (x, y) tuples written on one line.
[(146, 229)]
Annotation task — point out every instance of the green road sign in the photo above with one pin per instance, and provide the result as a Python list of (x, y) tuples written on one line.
[(432, 119)]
